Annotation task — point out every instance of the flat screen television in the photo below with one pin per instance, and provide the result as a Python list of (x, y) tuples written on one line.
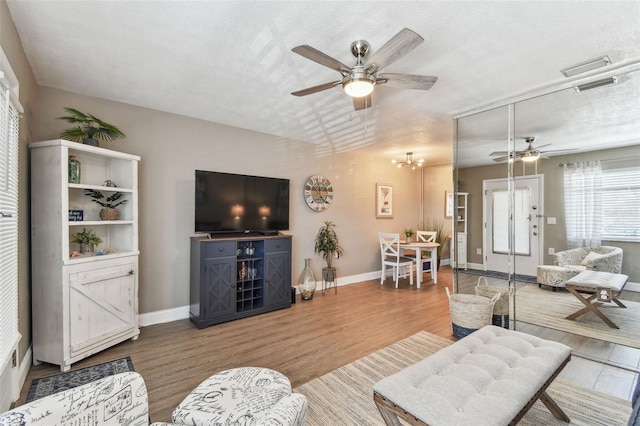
[(227, 202)]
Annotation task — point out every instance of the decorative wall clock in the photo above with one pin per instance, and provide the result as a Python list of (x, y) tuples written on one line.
[(318, 193)]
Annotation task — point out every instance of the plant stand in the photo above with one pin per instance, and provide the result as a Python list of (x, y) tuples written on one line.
[(329, 279)]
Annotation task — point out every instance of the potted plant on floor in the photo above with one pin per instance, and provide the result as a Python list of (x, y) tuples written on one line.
[(109, 203), (328, 246), (87, 239), (441, 237), (90, 128)]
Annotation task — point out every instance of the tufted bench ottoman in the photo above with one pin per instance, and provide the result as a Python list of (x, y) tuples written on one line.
[(243, 396), (601, 286), (491, 377)]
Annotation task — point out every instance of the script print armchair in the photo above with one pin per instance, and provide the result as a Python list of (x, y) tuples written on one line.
[(569, 263)]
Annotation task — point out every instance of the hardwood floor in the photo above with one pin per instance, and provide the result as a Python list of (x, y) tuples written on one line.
[(307, 341)]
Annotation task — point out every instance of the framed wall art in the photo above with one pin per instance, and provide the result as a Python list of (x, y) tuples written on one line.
[(448, 204), (384, 201)]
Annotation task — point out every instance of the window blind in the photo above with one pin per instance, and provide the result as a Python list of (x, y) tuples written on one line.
[(621, 204), (9, 127)]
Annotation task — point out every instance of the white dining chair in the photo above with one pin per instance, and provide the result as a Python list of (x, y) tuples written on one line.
[(390, 256), (425, 256)]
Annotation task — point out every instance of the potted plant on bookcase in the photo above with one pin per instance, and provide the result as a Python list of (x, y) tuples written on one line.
[(109, 203), (90, 128), (87, 239), (328, 246)]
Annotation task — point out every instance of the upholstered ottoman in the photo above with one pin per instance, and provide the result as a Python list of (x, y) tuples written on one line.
[(602, 287), (491, 377), (243, 396)]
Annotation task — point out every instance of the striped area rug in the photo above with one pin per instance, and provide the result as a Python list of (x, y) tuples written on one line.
[(547, 308), (345, 397)]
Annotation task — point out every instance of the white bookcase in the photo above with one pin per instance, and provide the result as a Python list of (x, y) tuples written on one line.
[(81, 304), (460, 228)]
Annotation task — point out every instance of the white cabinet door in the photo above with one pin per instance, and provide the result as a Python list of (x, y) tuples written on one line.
[(102, 303)]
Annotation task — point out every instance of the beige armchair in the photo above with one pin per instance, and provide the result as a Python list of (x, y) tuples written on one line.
[(569, 263)]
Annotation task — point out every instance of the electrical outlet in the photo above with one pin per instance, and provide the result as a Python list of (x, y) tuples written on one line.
[(479, 251), (552, 250), (551, 221)]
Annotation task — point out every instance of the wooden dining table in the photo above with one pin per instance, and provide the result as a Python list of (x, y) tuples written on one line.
[(419, 247)]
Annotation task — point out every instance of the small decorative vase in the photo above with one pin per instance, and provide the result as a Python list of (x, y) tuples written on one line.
[(307, 282), (409, 238), (109, 214), (86, 248), (243, 272), (74, 170)]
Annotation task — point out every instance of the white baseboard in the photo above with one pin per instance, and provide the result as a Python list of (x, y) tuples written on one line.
[(182, 312), (165, 315)]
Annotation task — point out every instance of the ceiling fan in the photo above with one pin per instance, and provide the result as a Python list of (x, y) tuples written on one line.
[(529, 154), (358, 81)]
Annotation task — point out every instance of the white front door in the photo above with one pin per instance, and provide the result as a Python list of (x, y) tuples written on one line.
[(527, 224)]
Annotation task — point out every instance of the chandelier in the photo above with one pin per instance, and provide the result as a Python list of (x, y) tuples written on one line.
[(409, 162)]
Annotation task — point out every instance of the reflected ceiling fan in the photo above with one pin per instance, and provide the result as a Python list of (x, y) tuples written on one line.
[(529, 154), (358, 81)]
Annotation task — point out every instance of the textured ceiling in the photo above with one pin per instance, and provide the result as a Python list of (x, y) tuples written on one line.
[(230, 62)]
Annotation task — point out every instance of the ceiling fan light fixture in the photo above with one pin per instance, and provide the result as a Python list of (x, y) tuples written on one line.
[(529, 156), (358, 84)]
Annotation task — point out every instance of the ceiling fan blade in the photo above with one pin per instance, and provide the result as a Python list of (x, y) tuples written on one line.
[(399, 45), (407, 81), (503, 158), (500, 153), (362, 103), (537, 148), (315, 89), (560, 150), (321, 58)]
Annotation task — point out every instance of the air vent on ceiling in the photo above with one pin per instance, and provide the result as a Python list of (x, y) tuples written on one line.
[(597, 83), (586, 66)]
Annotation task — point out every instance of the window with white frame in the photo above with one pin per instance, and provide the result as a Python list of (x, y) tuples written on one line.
[(10, 110), (621, 204)]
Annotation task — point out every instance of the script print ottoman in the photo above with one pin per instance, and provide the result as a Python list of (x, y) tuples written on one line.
[(243, 396), (491, 377)]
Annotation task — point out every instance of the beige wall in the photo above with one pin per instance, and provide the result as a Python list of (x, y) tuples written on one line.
[(172, 147), (554, 235), (12, 48)]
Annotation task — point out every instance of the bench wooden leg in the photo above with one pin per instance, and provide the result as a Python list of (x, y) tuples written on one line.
[(592, 307), (390, 412), (553, 407)]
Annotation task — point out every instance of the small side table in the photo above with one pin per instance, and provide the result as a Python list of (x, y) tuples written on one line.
[(329, 279)]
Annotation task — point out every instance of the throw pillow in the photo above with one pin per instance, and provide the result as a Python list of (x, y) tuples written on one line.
[(592, 256)]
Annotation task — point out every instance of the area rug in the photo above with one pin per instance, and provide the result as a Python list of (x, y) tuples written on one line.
[(547, 308), (70, 379), (345, 396)]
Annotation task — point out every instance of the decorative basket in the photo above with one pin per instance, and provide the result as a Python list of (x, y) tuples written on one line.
[(109, 214), (501, 307), (469, 312)]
